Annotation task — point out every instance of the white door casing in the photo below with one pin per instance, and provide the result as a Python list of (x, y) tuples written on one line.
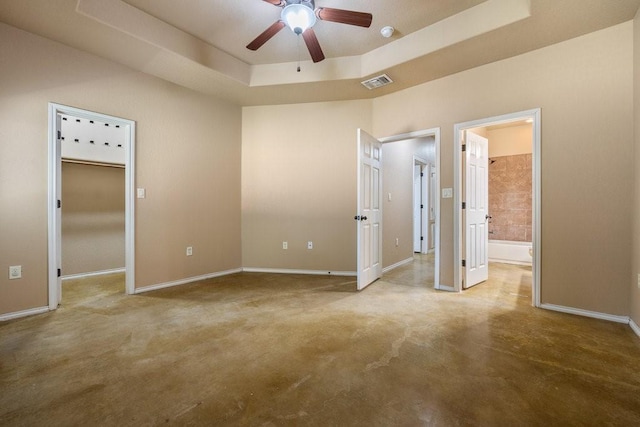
[(476, 209), (369, 216), (58, 209), (55, 192)]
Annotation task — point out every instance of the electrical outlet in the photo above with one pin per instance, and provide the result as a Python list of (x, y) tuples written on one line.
[(285, 245), (309, 245), (638, 281), (189, 250), (15, 272), (397, 242)]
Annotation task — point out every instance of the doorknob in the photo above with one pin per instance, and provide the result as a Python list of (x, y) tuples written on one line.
[(357, 217), (486, 217), (364, 218)]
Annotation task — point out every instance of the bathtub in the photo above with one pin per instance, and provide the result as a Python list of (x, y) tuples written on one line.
[(509, 252)]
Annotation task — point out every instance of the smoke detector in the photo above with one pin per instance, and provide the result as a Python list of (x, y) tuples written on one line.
[(376, 82)]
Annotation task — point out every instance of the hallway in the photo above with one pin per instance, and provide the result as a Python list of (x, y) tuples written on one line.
[(266, 349)]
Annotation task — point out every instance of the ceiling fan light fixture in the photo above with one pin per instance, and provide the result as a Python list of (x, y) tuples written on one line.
[(298, 17)]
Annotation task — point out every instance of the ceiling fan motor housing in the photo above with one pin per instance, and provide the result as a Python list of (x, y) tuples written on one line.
[(309, 3)]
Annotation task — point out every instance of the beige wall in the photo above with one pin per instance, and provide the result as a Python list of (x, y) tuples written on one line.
[(397, 179), (299, 184), (298, 165), (510, 141), (635, 291), (188, 158), (584, 88), (92, 218)]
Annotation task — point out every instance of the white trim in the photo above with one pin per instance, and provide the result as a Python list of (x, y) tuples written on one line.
[(586, 313), (93, 273), (185, 281), (634, 327), (446, 288), (54, 158), (535, 115), (291, 271), (435, 132), (397, 264), (23, 313)]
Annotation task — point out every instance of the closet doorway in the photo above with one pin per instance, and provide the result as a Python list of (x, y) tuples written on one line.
[(93, 154)]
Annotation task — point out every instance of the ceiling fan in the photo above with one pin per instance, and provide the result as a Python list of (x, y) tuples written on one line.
[(301, 15)]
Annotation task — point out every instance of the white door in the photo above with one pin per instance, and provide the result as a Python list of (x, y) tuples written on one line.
[(476, 210), (369, 216), (432, 204), (424, 208), (417, 209)]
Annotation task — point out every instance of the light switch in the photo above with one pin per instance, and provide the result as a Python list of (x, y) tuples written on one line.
[(141, 193), (389, 196), (447, 193)]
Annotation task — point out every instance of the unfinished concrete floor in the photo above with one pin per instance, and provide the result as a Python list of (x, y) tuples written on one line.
[(264, 349)]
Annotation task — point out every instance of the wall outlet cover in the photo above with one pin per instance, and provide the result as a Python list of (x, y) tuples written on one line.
[(15, 272)]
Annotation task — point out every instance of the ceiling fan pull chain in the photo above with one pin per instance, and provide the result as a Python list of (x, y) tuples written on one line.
[(298, 52)]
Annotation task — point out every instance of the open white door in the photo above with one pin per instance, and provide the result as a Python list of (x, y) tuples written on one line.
[(417, 208), (476, 209), (369, 216)]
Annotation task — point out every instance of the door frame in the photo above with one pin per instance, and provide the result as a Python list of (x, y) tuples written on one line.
[(535, 115), (54, 179), (435, 133)]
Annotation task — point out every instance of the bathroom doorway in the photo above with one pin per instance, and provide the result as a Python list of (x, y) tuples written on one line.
[(513, 235)]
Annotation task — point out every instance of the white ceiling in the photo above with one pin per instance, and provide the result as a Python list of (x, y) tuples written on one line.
[(200, 44)]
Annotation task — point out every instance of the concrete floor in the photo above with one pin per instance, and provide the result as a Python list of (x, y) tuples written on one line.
[(267, 350)]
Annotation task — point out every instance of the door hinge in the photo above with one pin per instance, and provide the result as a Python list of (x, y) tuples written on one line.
[(59, 204), (59, 135), (464, 147), (59, 272), (421, 173), (464, 205), (421, 238), (421, 206), (464, 263)]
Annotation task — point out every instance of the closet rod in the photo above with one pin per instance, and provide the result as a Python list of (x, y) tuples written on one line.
[(86, 162)]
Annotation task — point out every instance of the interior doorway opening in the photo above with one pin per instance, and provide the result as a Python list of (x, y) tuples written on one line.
[(99, 147), (466, 231), (408, 232)]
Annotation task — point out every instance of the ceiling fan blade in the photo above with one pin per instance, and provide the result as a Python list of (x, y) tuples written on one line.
[(266, 35), (342, 16), (313, 45)]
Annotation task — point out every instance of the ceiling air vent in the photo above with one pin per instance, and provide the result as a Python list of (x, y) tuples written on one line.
[(377, 82)]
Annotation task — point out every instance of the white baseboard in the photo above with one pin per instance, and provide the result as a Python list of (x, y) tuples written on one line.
[(397, 264), (635, 327), (93, 273), (509, 261), (445, 288), (288, 271), (185, 281), (586, 313), (23, 313)]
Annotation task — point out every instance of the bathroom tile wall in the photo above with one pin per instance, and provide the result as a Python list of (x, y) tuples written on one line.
[(510, 198)]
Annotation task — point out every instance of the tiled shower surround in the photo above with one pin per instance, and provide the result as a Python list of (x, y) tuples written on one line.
[(510, 198)]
